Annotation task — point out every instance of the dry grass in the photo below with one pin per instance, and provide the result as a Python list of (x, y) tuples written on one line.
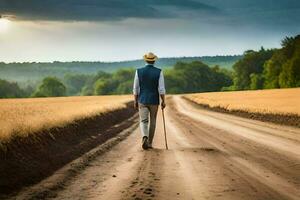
[(26, 116), (277, 101)]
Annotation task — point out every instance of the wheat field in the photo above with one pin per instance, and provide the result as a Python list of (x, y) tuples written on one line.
[(276, 101), (21, 117)]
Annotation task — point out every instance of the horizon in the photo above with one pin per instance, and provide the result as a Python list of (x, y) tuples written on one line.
[(119, 31), (117, 61)]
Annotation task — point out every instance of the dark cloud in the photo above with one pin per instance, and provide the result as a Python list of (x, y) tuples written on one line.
[(270, 13), (93, 10), (266, 14)]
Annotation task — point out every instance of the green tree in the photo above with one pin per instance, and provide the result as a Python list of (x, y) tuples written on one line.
[(195, 77), (288, 46), (272, 70), (50, 87), (104, 86), (124, 87), (87, 91), (123, 75), (75, 82), (290, 75), (123, 80), (10, 90), (252, 62), (222, 78), (257, 81), (173, 82), (282, 70), (28, 90), (88, 88)]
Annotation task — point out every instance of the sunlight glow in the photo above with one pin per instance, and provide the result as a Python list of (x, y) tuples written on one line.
[(4, 24)]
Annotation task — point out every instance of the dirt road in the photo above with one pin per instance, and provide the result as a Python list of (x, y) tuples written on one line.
[(211, 156)]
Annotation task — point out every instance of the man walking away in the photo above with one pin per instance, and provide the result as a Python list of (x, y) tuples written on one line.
[(148, 86)]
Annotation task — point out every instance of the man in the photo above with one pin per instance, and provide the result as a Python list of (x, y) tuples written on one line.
[(148, 86)]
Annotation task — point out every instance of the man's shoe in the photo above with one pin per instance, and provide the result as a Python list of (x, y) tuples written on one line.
[(145, 142)]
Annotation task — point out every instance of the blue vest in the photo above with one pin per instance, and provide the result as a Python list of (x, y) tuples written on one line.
[(148, 81)]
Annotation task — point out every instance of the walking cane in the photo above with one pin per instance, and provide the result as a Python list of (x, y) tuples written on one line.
[(163, 114)]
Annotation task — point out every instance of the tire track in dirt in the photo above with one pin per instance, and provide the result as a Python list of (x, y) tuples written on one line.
[(143, 185), (273, 168)]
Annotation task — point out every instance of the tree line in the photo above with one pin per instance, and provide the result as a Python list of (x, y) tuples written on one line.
[(35, 71), (263, 69), (183, 77), (267, 69)]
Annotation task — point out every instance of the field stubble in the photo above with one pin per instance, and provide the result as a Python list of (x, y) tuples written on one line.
[(278, 101), (277, 105), (22, 117)]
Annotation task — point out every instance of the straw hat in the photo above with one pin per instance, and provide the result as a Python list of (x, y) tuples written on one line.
[(150, 57)]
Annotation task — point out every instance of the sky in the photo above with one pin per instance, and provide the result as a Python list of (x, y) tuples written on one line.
[(116, 30)]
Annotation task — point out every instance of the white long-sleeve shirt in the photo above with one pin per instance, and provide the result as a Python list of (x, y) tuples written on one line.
[(161, 84)]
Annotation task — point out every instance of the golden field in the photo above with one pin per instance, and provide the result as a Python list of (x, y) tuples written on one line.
[(277, 101), (25, 116)]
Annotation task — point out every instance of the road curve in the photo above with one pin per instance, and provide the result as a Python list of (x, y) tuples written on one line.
[(211, 156)]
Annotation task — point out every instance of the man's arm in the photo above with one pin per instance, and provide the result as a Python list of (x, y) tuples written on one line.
[(136, 90), (162, 89)]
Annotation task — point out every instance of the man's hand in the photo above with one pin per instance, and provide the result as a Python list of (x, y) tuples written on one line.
[(163, 105), (136, 105)]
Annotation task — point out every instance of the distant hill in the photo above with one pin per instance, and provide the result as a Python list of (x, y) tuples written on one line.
[(35, 71)]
